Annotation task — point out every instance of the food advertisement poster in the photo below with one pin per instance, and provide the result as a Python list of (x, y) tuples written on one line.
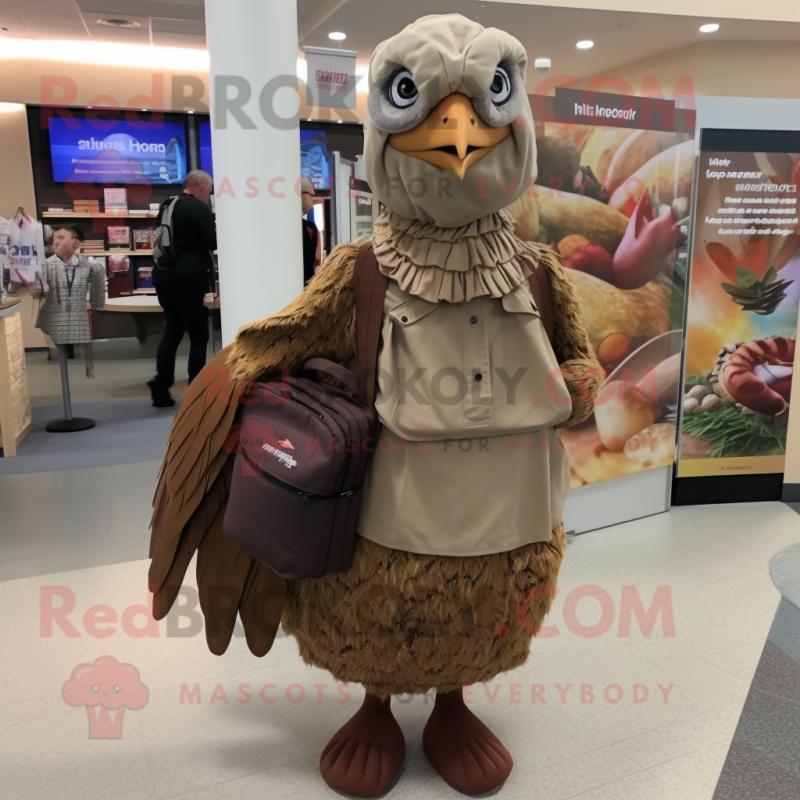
[(613, 197), (744, 295)]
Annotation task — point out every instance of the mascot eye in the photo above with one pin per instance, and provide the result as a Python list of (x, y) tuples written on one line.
[(502, 101), (94, 688), (500, 90), (116, 688), (403, 91), (396, 103)]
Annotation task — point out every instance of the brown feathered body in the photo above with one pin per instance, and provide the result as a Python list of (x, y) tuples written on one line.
[(396, 622)]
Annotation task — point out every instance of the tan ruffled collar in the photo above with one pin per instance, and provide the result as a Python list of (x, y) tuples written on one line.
[(452, 264)]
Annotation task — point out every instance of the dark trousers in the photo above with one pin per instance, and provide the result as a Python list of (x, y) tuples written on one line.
[(184, 312)]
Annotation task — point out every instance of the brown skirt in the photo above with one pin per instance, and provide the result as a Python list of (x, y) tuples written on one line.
[(405, 623)]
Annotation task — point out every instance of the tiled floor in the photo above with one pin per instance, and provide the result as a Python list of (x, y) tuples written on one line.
[(236, 743), (122, 369), (76, 518)]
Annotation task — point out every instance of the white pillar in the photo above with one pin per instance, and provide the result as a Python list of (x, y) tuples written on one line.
[(256, 148)]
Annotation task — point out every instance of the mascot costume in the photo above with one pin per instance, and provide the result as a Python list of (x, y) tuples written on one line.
[(460, 537)]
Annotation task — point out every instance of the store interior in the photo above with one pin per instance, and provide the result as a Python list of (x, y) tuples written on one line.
[(668, 160)]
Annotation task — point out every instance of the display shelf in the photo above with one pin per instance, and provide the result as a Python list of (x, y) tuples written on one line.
[(89, 253), (100, 215)]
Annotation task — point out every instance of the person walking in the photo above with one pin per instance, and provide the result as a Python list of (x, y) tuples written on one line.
[(181, 288), (310, 230)]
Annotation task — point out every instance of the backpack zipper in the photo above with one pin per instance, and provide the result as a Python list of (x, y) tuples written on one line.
[(305, 496), (291, 399)]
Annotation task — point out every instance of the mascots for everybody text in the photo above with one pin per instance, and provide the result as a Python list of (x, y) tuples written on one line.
[(460, 537)]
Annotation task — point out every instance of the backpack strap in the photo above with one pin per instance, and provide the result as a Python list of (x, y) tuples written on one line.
[(543, 297), (369, 285)]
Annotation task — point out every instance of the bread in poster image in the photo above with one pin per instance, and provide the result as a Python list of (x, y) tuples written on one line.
[(526, 218), (621, 411), (590, 463), (662, 384), (575, 480), (557, 161), (563, 213), (667, 176), (577, 134), (600, 148), (641, 314), (636, 150), (652, 447)]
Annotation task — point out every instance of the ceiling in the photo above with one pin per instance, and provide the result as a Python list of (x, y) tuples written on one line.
[(620, 37), (178, 23)]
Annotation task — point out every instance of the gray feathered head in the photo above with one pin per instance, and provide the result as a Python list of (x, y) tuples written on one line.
[(449, 134)]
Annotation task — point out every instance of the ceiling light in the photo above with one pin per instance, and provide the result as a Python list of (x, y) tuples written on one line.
[(710, 27), (585, 44), (337, 36), (119, 23), (339, 121), (190, 111)]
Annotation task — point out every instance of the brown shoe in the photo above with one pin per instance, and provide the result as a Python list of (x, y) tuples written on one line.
[(466, 754), (365, 755)]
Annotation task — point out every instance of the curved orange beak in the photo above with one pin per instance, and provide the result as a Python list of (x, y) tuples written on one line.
[(452, 136)]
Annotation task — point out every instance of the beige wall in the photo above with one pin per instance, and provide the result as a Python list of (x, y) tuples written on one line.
[(16, 176), (780, 10), (723, 69)]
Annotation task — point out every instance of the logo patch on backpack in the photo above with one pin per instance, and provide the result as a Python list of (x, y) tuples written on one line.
[(284, 458)]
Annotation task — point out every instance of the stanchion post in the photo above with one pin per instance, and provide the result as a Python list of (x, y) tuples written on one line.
[(68, 423)]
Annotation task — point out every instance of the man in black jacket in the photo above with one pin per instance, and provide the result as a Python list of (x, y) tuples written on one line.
[(310, 230), (182, 287)]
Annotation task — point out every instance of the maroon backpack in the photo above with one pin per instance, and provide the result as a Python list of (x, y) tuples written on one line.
[(303, 447)]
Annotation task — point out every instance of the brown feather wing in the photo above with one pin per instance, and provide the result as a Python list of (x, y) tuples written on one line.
[(580, 368), (194, 480)]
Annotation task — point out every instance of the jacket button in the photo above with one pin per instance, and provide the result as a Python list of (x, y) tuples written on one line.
[(478, 376), (473, 320), (403, 319)]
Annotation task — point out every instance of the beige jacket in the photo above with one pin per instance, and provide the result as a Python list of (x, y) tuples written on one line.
[(468, 397)]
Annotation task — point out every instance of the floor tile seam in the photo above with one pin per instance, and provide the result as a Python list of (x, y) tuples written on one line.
[(60, 713), (587, 792), (231, 780), (143, 740), (218, 678), (53, 512), (708, 743), (741, 644), (684, 721), (739, 673), (678, 758), (532, 772)]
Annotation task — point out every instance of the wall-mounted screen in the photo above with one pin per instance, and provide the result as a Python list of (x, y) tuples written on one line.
[(122, 154), (315, 162), (204, 143), (314, 158)]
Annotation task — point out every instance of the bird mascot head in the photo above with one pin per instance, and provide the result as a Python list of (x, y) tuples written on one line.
[(448, 94)]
